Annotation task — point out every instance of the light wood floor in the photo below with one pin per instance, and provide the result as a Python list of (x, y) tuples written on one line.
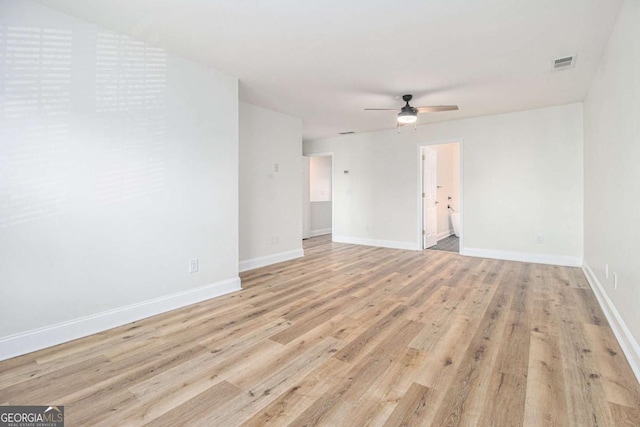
[(352, 336)]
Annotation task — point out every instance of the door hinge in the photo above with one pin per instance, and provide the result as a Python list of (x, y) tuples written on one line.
[(423, 232), (422, 194), (423, 157)]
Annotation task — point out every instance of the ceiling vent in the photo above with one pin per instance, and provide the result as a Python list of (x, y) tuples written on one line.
[(346, 133), (564, 63)]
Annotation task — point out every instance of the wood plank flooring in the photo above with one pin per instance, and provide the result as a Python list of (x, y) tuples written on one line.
[(352, 336)]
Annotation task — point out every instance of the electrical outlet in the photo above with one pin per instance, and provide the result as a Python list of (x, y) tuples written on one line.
[(274, 240), (606, 271), (615, 280), (539, 239), (193, 265), (276, 167)]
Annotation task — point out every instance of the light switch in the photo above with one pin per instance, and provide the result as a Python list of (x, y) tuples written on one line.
[(193, 265)]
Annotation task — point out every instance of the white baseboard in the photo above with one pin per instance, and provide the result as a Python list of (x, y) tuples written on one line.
[(412, 246), (314, 233), (626, 340), (48, 336), (444, 234), (263, 261), (564, 260)]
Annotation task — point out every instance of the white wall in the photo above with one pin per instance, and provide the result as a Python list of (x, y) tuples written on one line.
[(270, 200), (112, 175), (320, 218), (522, 177), (320, 178), (455, 171), (612, 193)]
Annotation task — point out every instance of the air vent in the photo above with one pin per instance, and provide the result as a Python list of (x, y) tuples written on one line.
[(564, 63), (349, 132)]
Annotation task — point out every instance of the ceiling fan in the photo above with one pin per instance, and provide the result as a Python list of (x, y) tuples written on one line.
[(409, 114)]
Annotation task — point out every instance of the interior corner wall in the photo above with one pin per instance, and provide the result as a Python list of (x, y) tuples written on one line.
[(270, 195), (612, 193), (111, 178), (522, 177)]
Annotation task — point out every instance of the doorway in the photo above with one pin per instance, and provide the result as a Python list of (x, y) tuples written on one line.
[(441, 185), (318, 195)]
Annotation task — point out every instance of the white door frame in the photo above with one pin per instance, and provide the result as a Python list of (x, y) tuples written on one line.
[(420, 217), (333, 183), (306, 204), (429, 196)]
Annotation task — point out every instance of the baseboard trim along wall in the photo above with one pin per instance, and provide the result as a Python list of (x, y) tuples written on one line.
[(411, 246), (629, 345), (48, 336), (314, 233), (563, 260), (263, 261)]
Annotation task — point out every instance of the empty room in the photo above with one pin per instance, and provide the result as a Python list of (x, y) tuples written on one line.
[(242, 213)]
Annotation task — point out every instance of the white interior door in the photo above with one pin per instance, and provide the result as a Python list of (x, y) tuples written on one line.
[(429, 193), (306, 204)]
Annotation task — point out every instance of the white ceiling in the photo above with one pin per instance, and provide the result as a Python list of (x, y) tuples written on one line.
[(324, 61)]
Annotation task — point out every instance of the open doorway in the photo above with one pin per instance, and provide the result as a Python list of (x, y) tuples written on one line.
[(319, 209), (441, 197)]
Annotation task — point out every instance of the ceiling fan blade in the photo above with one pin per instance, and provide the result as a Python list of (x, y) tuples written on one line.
[(437, 108), (381, 109)]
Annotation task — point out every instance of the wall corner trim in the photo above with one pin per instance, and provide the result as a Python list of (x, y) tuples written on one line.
[(411, 246), (564, 260), (48, 336), (627, 342), (250, 264)]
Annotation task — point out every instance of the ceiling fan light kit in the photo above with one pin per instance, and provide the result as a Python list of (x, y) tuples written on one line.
[(407, 116)]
